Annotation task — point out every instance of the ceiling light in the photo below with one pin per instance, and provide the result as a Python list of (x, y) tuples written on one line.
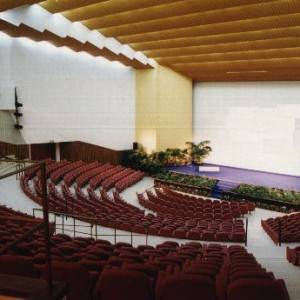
[(239, 72)]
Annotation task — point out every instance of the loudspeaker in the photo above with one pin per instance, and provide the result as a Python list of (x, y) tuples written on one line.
[(18, 126), (135, 146), (18, 114), (17, 103)]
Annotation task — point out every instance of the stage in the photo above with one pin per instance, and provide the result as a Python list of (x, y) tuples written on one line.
[(234, 176)]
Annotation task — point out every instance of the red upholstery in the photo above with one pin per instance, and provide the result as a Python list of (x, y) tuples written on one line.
[(187, 287), (290, 228), (256, 289), (17, 265), (122, 284), (293, 255), (77, 278)]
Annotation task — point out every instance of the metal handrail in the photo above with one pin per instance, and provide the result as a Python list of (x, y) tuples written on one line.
[(95, 225)]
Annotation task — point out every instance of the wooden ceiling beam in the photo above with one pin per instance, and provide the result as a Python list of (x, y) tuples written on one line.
[(10, 4), (240, 65), (285, 32), (112, 7), (159, 12), (239, 55), (55, 6), (239, 26), (247, 12), (226, 47)]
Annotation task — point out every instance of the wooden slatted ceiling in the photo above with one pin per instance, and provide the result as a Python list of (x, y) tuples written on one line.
[(205, 40)]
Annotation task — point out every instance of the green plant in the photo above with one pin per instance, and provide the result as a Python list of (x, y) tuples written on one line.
[(197, 181), (198, 152), (268, 193), (140, 160)]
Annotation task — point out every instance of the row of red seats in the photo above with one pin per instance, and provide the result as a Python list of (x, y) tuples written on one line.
[(287, 228), (50, 168), (206, 209), (293, 255), (198, 203), (128, 181), (96, 181), (31, 172), (58, 174), (84, 178), (71, 176), (14, 224), (110, 182)]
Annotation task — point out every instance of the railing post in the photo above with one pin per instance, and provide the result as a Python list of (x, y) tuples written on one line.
[(55, 222), (131, 237), (246, 237), (74, 226), (96, 232), (63, 223), (147, 237), (91, 233), (46, 225), (279, 232), (115, 235)]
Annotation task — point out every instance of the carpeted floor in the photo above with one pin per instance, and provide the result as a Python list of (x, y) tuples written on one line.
[(238, 175)]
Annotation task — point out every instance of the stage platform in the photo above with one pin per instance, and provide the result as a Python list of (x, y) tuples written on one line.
[(235, 176)]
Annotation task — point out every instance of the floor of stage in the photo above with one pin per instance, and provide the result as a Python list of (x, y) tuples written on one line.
[(239, 175)]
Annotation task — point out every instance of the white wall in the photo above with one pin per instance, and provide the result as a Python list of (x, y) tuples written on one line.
[(68, 96), (251, 125)]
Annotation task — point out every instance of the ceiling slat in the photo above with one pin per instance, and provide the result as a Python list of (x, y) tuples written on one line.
[(239, 55), (10, 4), (226, 47), (55, 6), (112, 7)]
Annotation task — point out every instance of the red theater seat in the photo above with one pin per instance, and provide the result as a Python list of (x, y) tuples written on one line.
[(120, 284), (187, 287)]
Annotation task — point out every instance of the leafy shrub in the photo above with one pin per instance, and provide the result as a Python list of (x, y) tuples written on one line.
[(268, 193), (197, 181), (141, 161)]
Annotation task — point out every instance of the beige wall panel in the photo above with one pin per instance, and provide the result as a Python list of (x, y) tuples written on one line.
[(163, 109)]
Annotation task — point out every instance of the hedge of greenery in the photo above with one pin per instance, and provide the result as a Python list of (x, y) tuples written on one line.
[(197, 181), (268, 193)]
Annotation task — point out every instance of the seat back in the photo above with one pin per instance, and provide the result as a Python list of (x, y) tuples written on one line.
[(255, 289), (17, 265), (120, 284), (77, 279), (187, 287)]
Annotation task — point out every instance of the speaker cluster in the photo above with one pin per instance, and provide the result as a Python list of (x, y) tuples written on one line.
[(17, 112)]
